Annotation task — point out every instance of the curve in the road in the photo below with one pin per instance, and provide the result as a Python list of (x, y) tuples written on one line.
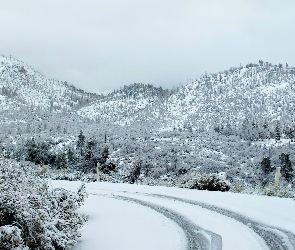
[(275, 238), (197, 237)]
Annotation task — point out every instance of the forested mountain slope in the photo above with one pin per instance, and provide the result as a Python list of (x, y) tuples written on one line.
[(133, 103), (21, 85), (261, 94), (258, 95)]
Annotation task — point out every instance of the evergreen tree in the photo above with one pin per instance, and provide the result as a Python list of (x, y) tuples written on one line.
[(61, 161), (88, 151), (277, 132), (31, 150), (265, 165), (135, 172), (264, 131), (105, 154), (81, 140), (71, 156), (286, 167), (289, 132)]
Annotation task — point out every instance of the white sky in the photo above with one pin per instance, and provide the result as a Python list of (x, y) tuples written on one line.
[(100, 45)]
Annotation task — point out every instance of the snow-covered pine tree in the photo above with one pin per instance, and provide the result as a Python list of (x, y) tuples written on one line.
[(286, 167), (265, 165), (278, 131)]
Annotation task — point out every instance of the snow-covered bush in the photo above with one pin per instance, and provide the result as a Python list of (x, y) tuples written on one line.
[(10, 238), (211, 182), (280, 191), (75, 175), (33, 215), (134, 172), (237, 187), (270, 189), (70, 175)]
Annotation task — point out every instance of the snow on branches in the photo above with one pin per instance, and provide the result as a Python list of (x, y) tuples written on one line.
[(33, 215)]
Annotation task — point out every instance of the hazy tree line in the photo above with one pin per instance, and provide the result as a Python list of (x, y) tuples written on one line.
[(81, 154), (254, 131)]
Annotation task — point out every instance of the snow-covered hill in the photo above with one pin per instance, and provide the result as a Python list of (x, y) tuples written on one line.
[(21, 85), (261, 93), (133, 103), (255, 92)]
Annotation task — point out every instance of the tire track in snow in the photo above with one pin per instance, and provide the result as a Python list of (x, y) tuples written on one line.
[(197, 238), (275, 238)]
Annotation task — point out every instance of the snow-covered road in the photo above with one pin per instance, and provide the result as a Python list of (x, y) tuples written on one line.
[(124, 216)]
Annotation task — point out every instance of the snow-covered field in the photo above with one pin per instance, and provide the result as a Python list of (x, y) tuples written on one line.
[(124, 216)]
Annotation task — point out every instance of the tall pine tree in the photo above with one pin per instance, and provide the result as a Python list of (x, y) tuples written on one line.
[(265, 165), (278, 132), (81, 142), (286, 166)]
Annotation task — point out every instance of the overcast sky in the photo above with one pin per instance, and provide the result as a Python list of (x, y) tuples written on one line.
[(100, 45)]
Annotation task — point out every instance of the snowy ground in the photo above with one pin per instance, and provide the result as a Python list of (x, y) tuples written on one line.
[(124, 216)]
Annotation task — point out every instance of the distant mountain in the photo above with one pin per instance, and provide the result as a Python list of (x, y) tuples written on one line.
[(133, 103), (261, 94), (21, 85)]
